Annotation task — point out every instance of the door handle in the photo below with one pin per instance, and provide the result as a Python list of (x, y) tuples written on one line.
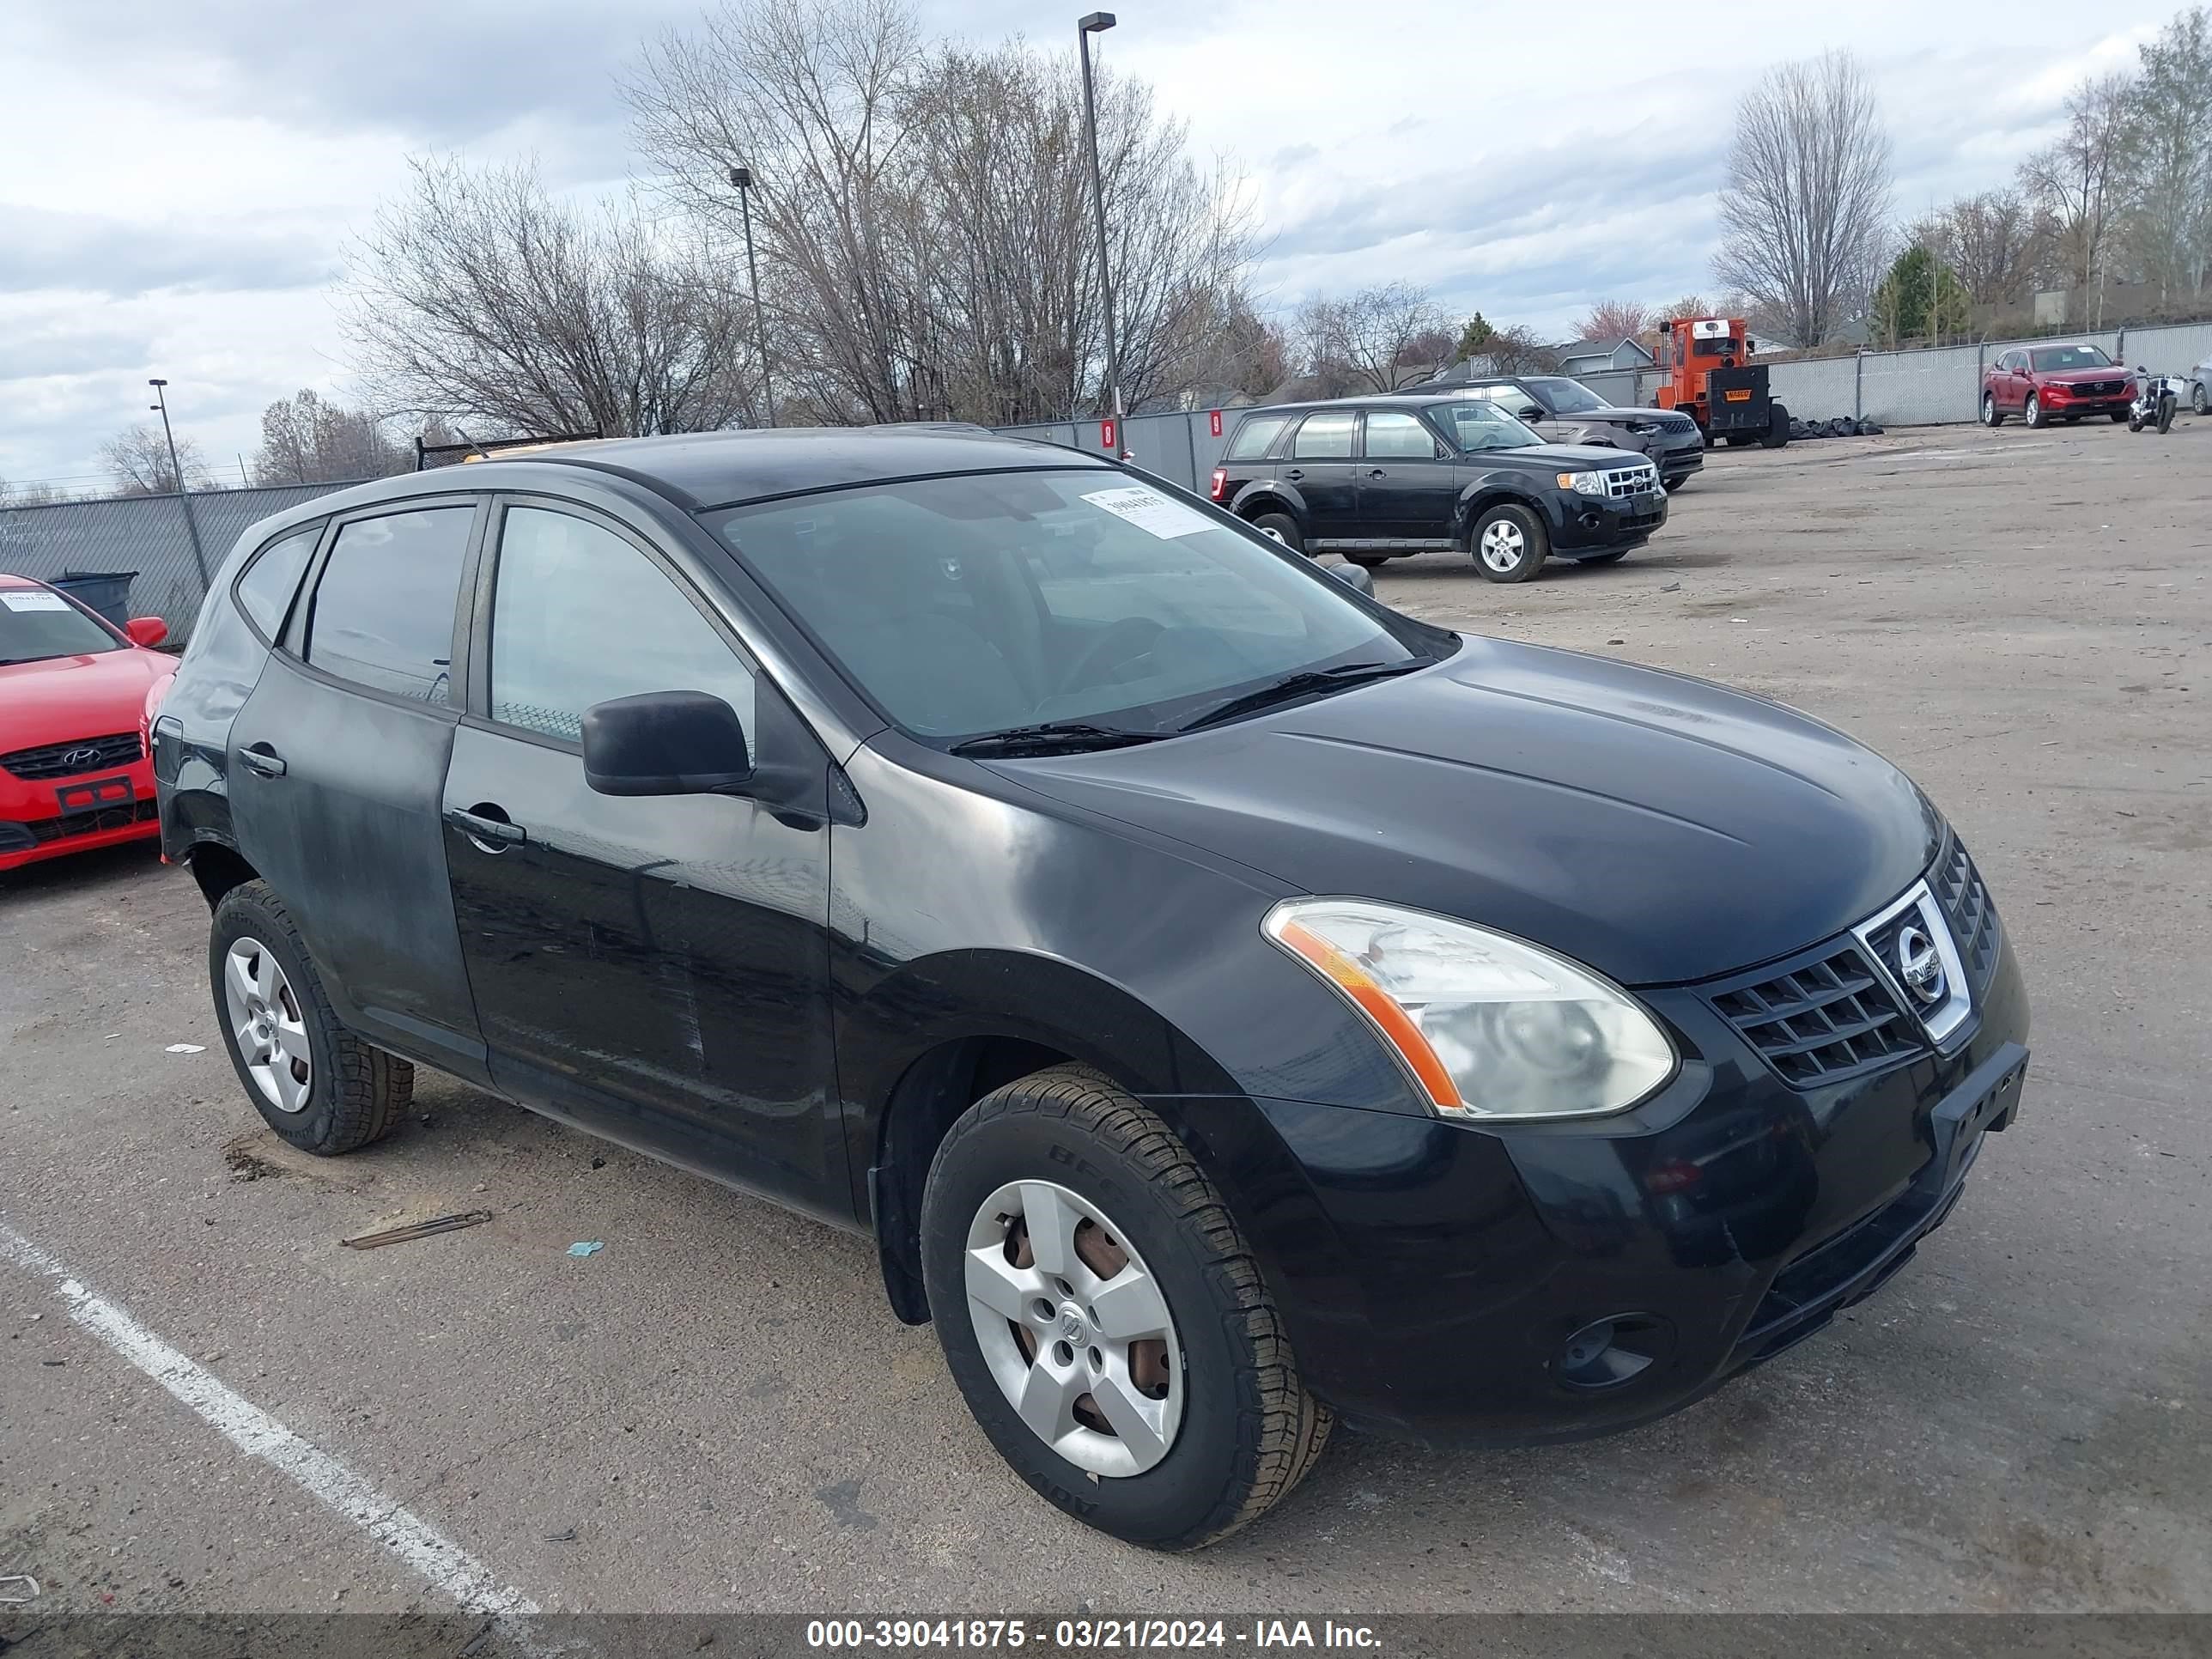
[(1377, 472), (1294, 474), (491, 835), (264, 759)]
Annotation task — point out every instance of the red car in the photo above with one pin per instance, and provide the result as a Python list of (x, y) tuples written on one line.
[(2047, 383), (74, 696)]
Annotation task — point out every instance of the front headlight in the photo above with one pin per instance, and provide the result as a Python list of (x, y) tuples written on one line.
[(1583, 484), (1489, 1026)]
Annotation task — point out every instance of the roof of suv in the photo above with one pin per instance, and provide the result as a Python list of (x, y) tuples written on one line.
[(721, 469)]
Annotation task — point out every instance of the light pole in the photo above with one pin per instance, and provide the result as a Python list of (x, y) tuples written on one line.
[(161, 404), (743, 178), (1098, 22)]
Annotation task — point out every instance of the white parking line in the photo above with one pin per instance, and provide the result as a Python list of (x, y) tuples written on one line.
[(447, 1567)]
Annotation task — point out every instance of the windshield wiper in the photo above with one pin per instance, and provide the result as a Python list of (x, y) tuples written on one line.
[(1053, 737), (1306, 680)]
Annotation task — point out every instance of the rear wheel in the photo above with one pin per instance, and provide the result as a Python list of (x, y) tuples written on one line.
[(1281, 527), (1104, 1318), (1992, 415), (1368, 560), (2200, 400), (2119, 415), (1777, 428), (313, 1082), (1510, 544), (2166, 411)]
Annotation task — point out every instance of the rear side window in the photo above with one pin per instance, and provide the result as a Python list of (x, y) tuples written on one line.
[(1324, 437), (579, 615), (265, 591), (1254, 437), (383, 614)]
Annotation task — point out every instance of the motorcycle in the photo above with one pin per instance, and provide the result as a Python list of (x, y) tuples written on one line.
[(2157, 396)]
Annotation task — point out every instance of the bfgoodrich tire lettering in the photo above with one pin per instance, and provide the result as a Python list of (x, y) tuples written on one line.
[(355, 1092), (1247, 1430)]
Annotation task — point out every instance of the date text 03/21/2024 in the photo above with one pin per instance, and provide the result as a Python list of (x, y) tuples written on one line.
[(1087, 1634)]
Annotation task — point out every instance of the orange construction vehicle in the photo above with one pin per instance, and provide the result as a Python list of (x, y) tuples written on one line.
[(1711, 379)]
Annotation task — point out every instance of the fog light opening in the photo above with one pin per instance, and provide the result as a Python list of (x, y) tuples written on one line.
[(1608, 1353)]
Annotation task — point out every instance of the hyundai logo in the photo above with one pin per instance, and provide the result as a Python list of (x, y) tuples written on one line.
[(1920, 965), (81, 759)]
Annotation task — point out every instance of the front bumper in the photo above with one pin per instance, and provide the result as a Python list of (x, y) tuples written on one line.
[(1431, 1275), (44, 819), (1591, 523), (1679, 462), (2058, 402)]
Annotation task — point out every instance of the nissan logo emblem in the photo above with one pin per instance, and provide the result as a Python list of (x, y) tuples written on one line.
[(1918, 965)]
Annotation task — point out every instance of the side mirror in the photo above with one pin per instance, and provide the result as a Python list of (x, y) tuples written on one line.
[(1533, 412), (1356, 577), (145, 630), (665, 742)]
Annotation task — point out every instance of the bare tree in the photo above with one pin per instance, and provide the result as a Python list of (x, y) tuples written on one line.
[(31, 495), (479, 299), (305, 440), (923, 215), (1520, 350), (2169, 189), (1689, 307), (137, 457), (2078, 179), (1805, 202), (1993, 241), (1381, 338), (1615, 320)]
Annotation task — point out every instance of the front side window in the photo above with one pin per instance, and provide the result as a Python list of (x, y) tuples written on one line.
[(1476, 426), (579, 616), (36, 624), (1565, 397), (1324, 437), (1252, 438), (383, 612), (1400, 436), (2048, 358), (265, 591), (995, 601)]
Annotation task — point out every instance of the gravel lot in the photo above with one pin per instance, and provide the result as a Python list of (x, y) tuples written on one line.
[(716, 1413)]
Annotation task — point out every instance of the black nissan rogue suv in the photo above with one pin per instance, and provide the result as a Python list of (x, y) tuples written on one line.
[(1376, 478), (1230, 1007)]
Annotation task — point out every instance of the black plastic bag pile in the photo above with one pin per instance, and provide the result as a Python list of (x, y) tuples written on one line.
[(1842, 427)]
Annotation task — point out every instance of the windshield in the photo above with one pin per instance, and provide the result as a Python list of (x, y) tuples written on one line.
[(1474, 424), (35, 624), (995, 601), (1567, 396), (2072, 357)]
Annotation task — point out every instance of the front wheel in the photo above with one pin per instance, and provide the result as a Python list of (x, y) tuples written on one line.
[(2119, 415), (1368, 560), (1510, 544), (2200, 401), (2035, 416), (1614, 558), (2166, 411), (1104, 1318), (1992, 415), (1280, 528)]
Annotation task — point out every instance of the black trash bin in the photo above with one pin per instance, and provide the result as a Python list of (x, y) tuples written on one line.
[(107, 592)]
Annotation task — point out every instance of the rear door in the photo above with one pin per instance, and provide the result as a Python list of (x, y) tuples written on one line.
[(336, 764), (654, 968), (1407, 491), (1322, 466)]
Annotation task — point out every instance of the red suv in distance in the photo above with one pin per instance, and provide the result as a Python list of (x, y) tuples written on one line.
[(2047, 383)]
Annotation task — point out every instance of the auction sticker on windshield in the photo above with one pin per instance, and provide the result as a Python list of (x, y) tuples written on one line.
[(1150, 511), (47, 601)]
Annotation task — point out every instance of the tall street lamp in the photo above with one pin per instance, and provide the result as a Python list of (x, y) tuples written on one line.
[(743, 178), (1098, 22), (161, 404)]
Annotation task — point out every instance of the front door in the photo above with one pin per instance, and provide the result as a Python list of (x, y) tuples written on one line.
[(1406, 490), (1322, 468), (334, 766), (653, 968)]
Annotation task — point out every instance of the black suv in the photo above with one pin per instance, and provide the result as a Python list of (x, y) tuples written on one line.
[(1377, 478), (1227, 1004), (1563, 410)]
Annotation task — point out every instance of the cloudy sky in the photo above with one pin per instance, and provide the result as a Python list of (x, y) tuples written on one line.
[(184, 174)]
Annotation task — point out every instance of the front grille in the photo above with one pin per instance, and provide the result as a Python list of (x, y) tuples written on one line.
[(1827, 1017), (2097, 389), (1966, 904), (1624, 481), (1639, 521), (72, 759), (85, 823)]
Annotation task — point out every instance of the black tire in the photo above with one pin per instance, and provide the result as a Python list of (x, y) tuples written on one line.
[(1777, 428), (2165, 412), (1535, 543), (1992, 415), (1368, 560), (2119, 415), (2135, 422), (1675, 486), (2200, 400), (1249, 1430), (1614, 558), (1282, 528), (356, 1092), (2033, 415)]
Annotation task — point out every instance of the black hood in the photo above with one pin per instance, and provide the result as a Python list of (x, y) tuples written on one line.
[(1658, 828), (1557, 457)]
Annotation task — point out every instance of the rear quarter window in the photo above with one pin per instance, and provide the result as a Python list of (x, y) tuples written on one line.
[(1253, 438), (266, 586)]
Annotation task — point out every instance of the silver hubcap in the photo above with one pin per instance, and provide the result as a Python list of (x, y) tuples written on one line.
[(1502, 545), (265, 1023), (1074, 1328)]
